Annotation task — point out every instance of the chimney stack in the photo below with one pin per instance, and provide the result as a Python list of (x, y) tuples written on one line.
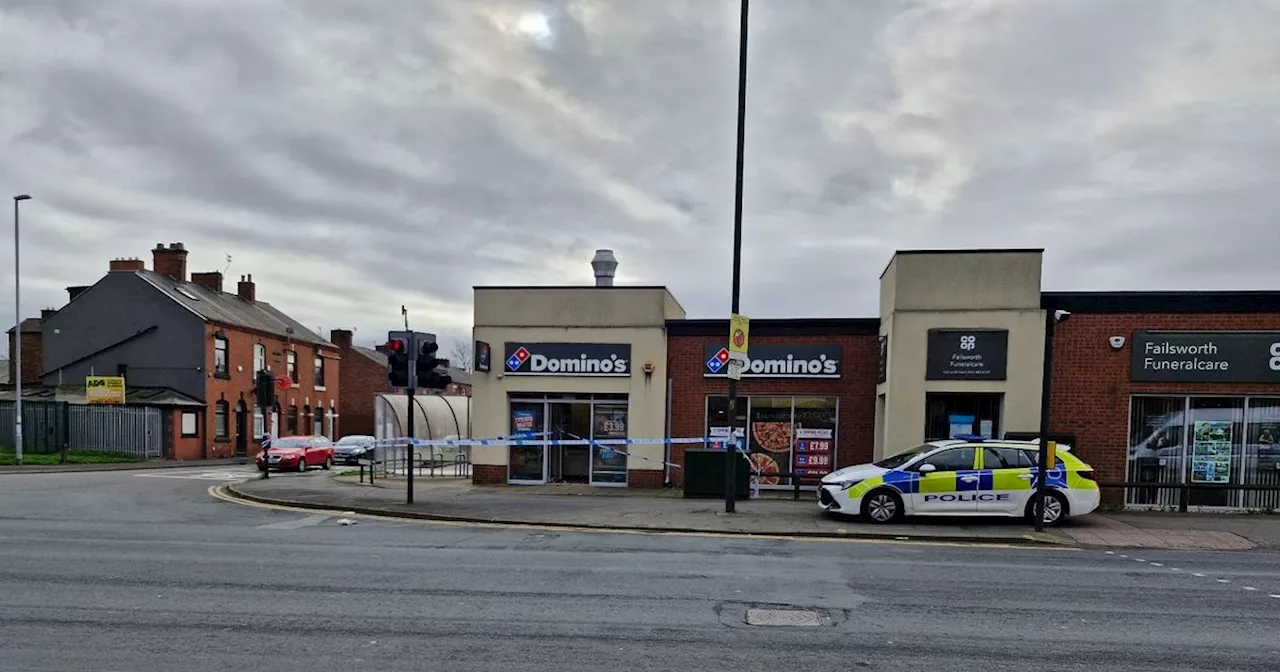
[(46, 313), (211, 279), (341, 338), (245, 289), (126, 265), (605, 266), (170, 261), (73, 292)]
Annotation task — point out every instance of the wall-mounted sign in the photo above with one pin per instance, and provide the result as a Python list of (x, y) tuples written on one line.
[(1206, 357), (568, 359), (776, 361), (104, 389), (882, 368), (967, 354), (481, 357)]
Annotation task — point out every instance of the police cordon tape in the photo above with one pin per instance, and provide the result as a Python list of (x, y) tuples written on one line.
[(524, 440)]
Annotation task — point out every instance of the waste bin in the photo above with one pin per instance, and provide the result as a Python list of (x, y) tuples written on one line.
[(704, 475)]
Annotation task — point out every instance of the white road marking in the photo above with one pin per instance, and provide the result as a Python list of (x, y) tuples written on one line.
[(1275, 596), (1124, 556), (1197, 574), (1174, 569), (1250, 588), (1156, 564), (1111, 552), (201, 475), (1224, 580), (295, 524), (1139, 560)]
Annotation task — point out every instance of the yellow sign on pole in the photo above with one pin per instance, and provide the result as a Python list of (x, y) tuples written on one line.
[(1052, 450), (739, 334), (104, 389)]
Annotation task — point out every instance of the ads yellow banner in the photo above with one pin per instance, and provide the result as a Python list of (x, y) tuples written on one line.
[(739, 333), (104, 389)]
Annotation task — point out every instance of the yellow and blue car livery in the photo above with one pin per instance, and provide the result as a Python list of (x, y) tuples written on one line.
[(968, 476)]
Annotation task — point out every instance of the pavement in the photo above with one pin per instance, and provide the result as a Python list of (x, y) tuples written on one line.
[(114, 571), (777, 515), (122, 466)]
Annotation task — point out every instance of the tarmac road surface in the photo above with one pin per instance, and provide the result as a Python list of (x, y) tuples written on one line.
[(116, 571)]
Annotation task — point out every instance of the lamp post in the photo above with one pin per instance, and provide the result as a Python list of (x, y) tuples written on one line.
[(1051, 318), (17, 333), (731, 452)]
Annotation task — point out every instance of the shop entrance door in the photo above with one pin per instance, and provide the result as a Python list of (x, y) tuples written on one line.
[(948, 414), (527, 463), (569, 421)]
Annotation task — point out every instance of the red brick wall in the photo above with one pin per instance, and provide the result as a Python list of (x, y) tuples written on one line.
[(856, 390), (644, 478), (32, 358), (362, 379), (239, 385), (189, 448), (1091, 386), (491, 474)]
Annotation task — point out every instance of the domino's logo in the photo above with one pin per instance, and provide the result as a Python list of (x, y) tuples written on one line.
[(718, 361), (517, 359)]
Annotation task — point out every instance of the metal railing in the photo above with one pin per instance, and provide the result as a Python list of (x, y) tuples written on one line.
[(1184, 490), (393, 460), (51, 426)]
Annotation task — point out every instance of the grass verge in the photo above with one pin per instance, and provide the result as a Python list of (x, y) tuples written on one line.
[(7, 458)]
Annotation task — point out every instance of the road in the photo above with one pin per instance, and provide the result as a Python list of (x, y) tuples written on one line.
[(119, 571)]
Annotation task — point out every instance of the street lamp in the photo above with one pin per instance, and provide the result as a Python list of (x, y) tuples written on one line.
[(731, 452), (17, 333)]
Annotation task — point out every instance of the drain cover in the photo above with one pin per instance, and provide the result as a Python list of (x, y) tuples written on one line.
[(784, 617)]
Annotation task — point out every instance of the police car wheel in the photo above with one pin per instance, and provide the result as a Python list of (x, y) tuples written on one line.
[(881, 506), (1055, 509)]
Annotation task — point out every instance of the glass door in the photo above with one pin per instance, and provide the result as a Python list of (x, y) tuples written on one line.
[(528, 463), (609, 462), (568, 421), (1216, 447)]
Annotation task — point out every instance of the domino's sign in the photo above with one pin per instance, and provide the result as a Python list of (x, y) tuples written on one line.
[(568, 359), (771, 360)]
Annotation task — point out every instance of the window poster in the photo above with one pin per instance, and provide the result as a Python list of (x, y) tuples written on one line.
[(771, 438), (1211, 452)]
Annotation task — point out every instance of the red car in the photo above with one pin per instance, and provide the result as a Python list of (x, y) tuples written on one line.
[(297, 452)]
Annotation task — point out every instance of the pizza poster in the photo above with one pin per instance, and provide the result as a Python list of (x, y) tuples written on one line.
[(770, 447)]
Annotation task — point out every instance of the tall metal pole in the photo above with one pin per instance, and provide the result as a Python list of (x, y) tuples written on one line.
[(1046, 386), (731, 453), (17, 332), (413, 382)]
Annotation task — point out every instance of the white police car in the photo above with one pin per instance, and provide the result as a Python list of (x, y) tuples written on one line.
[(967, 476)]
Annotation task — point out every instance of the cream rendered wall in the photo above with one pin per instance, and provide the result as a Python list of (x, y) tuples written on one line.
[(635, 315), (998, 289)]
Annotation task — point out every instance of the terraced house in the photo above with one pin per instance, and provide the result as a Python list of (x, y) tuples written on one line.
[(187, 340)]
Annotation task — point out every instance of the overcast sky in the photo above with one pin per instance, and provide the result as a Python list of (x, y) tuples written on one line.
[(356, 156)]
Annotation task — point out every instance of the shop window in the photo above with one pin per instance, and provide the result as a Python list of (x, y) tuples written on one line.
[(785, 435), (220, 429), (948, 415), (1157, 430), (1215, 448), (527, 462), (1262, 452), (609, 463)]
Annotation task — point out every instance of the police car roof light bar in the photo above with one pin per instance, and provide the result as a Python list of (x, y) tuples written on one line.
[(974, 438)]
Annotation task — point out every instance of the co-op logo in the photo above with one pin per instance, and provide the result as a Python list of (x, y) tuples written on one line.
[(581, 364), (968, 342)]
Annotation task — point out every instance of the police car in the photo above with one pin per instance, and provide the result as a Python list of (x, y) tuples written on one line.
[(966, 476)]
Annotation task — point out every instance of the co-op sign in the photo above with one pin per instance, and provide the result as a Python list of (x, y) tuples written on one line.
[(1206, 356), (776, 361), (568, 359)]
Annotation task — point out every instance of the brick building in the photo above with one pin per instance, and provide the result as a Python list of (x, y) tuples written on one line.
[(1164, 388), (839, 406), (32, 340), (165, 331), (364, 376)]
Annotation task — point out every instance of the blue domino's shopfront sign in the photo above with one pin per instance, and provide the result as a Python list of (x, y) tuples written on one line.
[(774, 360)]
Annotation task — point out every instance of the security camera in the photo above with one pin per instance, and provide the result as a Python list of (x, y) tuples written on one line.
[(1061, 315), (1116, 342)]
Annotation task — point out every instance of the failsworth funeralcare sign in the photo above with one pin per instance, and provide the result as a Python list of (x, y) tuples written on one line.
[(568, 359), (776, 361), (967, 354), (1206, 356)]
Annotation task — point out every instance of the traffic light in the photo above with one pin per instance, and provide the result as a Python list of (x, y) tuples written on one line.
[(397, 351), (432, 371), (264, 385)]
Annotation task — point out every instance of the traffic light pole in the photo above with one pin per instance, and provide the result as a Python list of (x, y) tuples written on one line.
[(413, 382), (731, 452)]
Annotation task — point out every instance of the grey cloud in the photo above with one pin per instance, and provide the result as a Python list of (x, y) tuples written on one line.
[(373, 159)]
